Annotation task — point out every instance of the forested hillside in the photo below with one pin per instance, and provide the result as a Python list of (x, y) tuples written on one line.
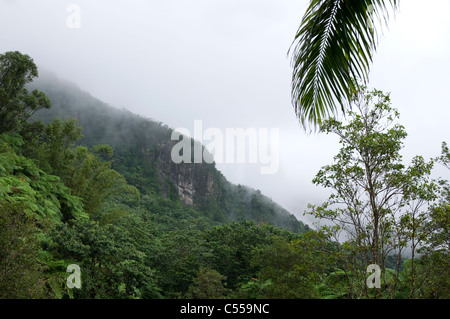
[(88, 186), (142, 154)]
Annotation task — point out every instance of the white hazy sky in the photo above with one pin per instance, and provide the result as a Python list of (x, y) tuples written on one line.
[(225, 62)]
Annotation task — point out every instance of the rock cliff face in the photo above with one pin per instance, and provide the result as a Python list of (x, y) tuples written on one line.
[(183, 177), (193, 182), (185, 186)]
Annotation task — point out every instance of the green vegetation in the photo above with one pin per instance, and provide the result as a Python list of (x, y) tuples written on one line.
[(106, 196), (332, 52), (378, 208)]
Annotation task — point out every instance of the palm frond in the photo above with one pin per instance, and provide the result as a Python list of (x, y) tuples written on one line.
[(332, 51)]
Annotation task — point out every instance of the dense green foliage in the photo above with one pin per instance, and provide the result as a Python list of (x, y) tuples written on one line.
[(17, 104), (104, 196)]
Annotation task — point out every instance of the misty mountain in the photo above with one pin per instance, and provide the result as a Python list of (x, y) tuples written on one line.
[(142, 154)]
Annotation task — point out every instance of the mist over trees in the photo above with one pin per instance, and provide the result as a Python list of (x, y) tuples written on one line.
[(83, 183)]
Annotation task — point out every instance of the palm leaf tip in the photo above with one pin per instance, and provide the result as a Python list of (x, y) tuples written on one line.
[(332, 48)]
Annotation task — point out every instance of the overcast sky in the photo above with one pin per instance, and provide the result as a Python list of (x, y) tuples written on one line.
[(225, 62)]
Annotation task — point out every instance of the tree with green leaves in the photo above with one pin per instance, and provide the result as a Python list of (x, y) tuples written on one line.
[(230, 249), (87, 172), (52, 145), (434, 267), (21, 273), (17, 104), (43, 196), (207, 285), (111, 266), (92, 178), (178, 260), (289, 269), (331, 54), (377, 205)]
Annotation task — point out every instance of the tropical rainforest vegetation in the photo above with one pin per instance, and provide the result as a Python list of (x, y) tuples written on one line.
[(83, 183)]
